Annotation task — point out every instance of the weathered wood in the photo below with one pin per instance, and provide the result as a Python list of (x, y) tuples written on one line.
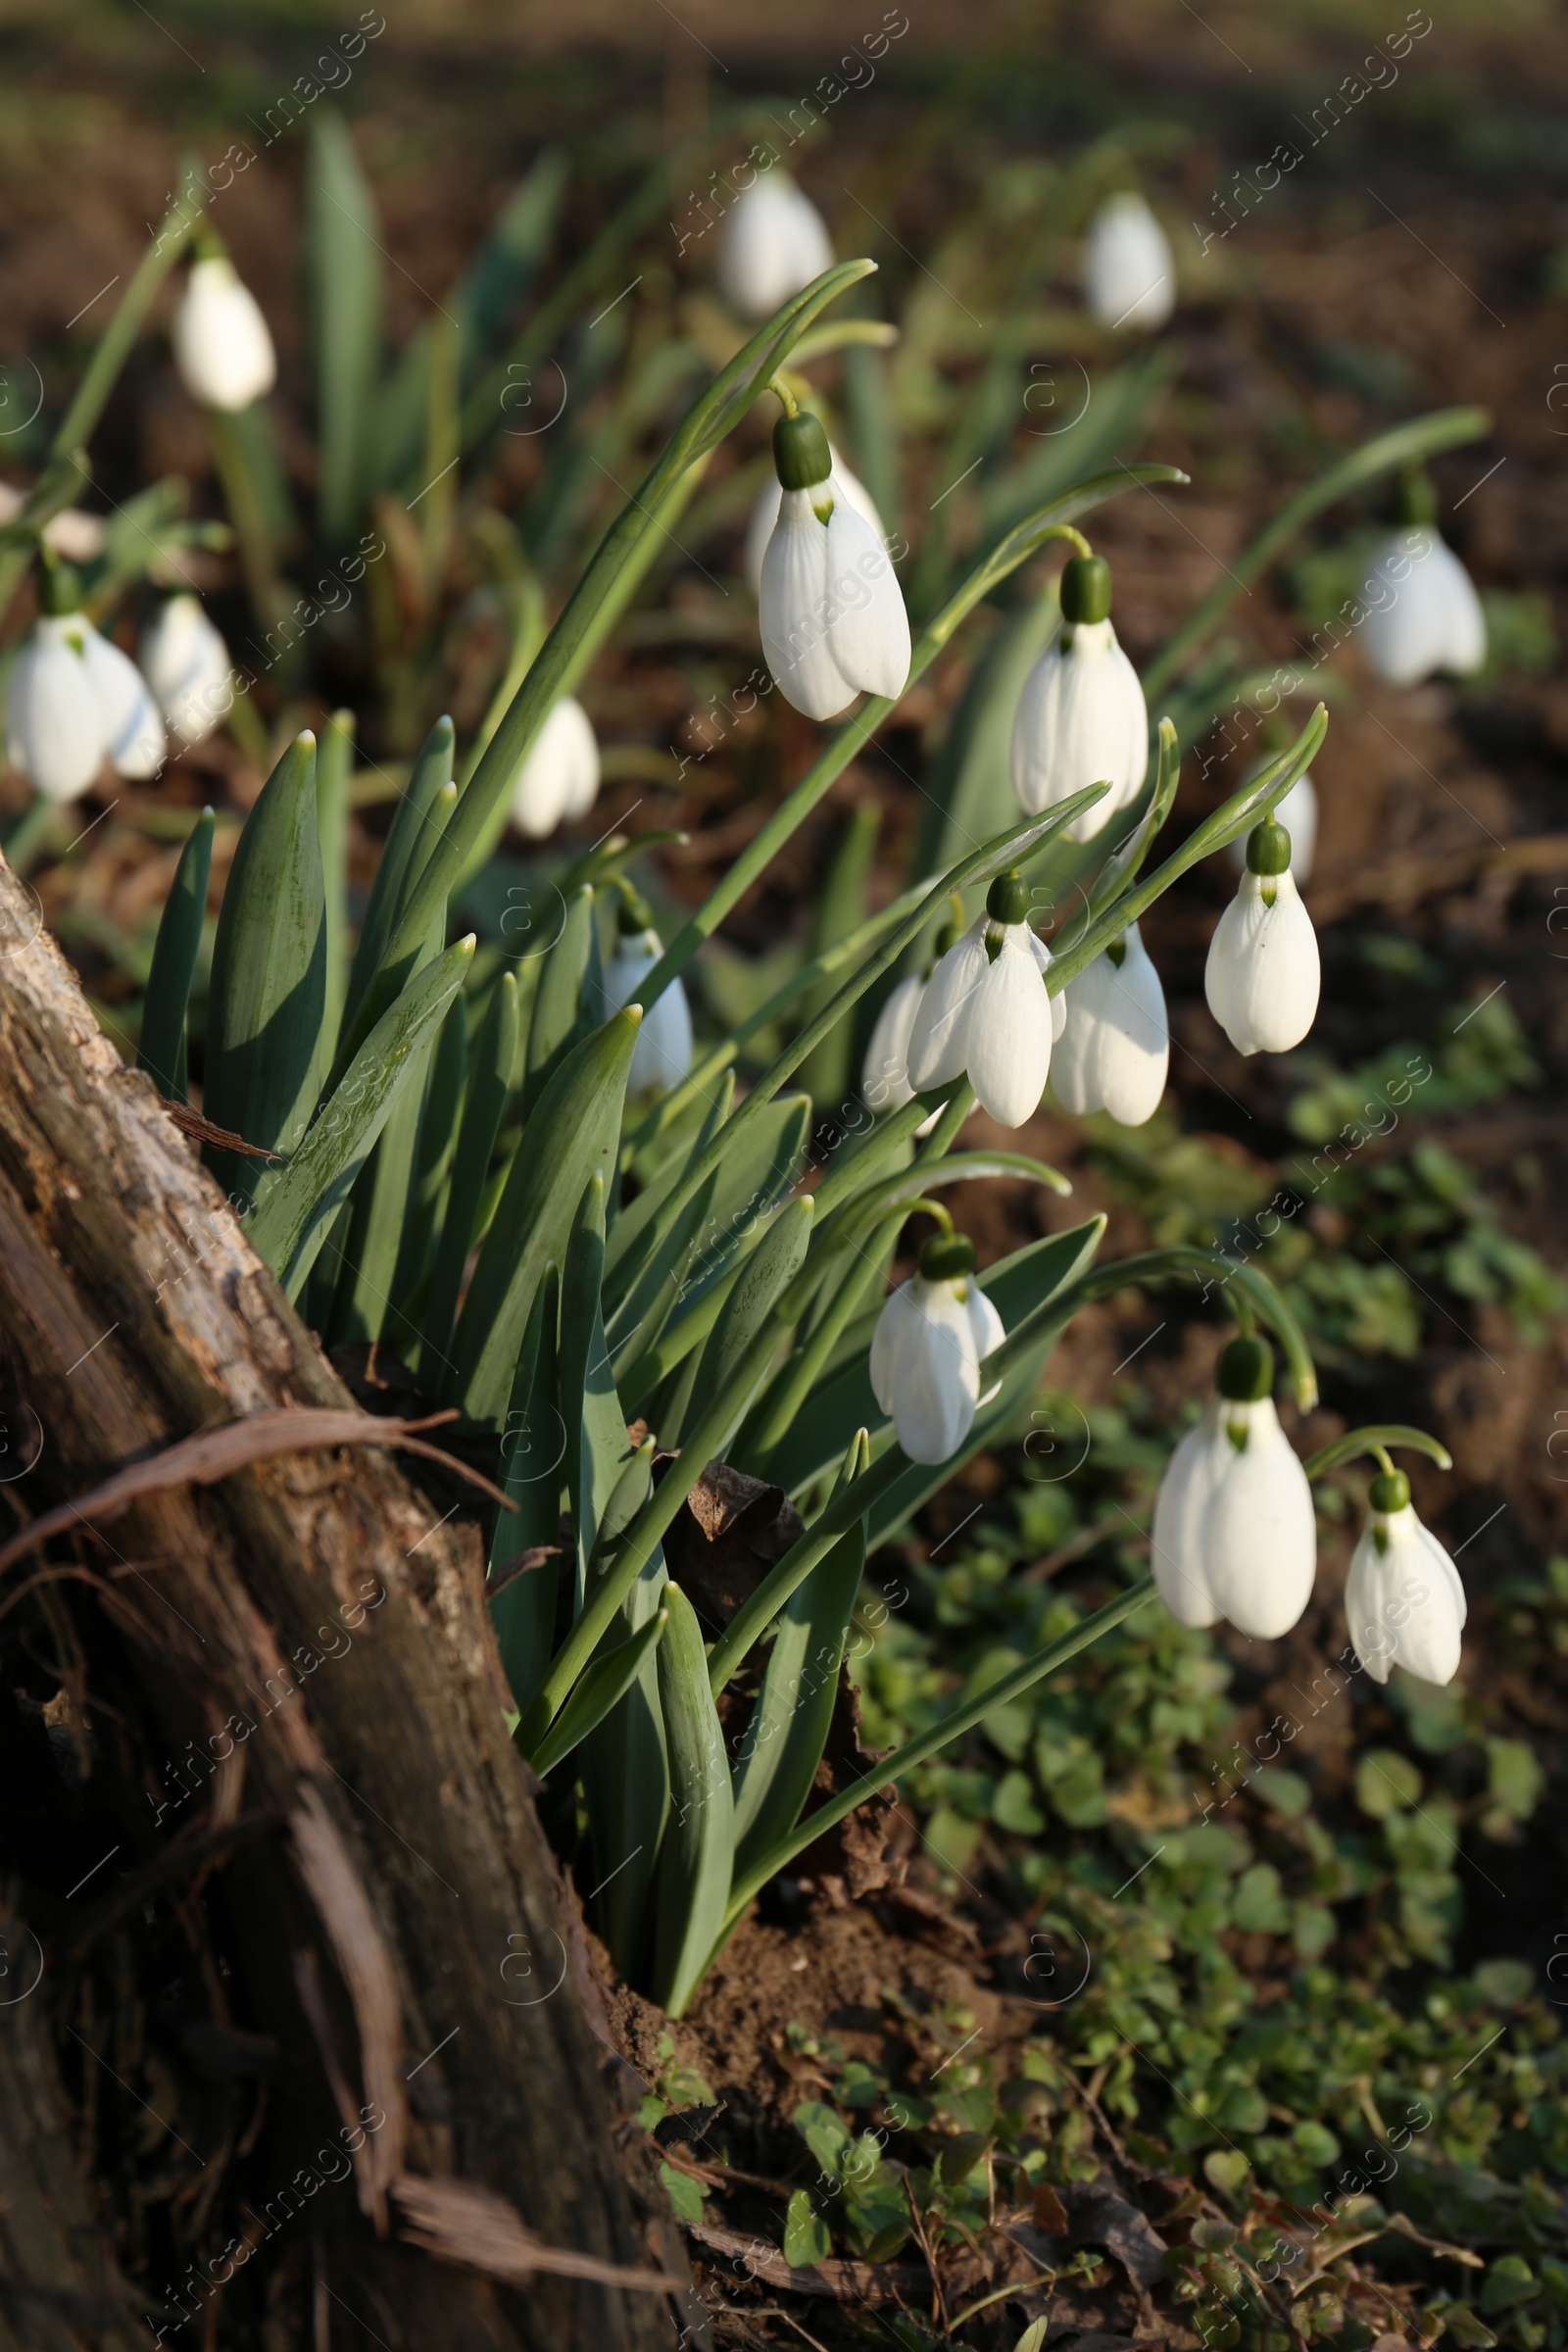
[(307, 1615)]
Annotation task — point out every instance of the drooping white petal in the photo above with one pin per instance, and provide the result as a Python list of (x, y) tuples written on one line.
[(1081, 720), (795, 611), (886, 1342), (559, 776), (1260, 1528), (940, 1036), (1297, 814), (1129, 273), (984, 1321), (1263, 976), (870, 633), (772, 242), (933, 1375), (1008, 1042), (1117, 1047), (1422, 610), (53, 729), (662, 1053), (885, 1071), (223, 349), (1404, 1600), (1176, 1545), (186, 664), (843, 488), (132, 731)]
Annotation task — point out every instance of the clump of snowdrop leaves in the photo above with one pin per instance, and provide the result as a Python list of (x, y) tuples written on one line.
[(1263, 975), (662, 1053), (75, 700), (773, 241), (1423, 613), (1235, 1534), (223, 349), (186, 664), (1404, 1600), (831, 611), (1297, 814), (1081, 717), (1129, 270), (842, 484), (1114, 1049), (931, 1338), (984, 1011), (559, 779)]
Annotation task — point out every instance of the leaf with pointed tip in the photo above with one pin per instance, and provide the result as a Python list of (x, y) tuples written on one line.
[(334, 765), (292, 1222), (491, 1063), (265, 1035), (597, 1444), (522, 1606), (413, 832), (560, 1016), (606, 1681), (695, 1864), (161, 1052)]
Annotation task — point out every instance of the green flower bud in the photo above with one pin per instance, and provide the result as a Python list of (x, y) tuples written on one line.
[(801, 452), (1268, 849), (1246, 1374), (1086, 590), (946, 1258), (1391, 1491), (1008, 899)]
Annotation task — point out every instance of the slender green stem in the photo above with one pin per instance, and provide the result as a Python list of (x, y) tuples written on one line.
[(1376, 1441), (801, 1376), (1163, 1265), (1445, 429), (931, 1743), (1015, 548)]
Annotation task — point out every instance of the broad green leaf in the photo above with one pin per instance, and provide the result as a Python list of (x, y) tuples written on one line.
[(694, 1867), (573, 1130), (807, 2239), (293, 1221), (161, 1052), (491, 1063), (794, 1709), (647, 1307), (265, 1035), (625, 1768), (597, 1447), (607, 1680), (765, 1276), (406, 845), (522, 1608), (334, 762), (562, 1015), (752, 1180), (344, 268), (432, 1172)]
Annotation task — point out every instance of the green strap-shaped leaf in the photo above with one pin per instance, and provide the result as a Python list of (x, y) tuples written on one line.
[(432, 1173), (522, 1608), (491, 1063), (694, 1866), (161, 1052), (265, 1035), (561, 1016), (607, 1680), (647, 1307), (344, 268), (292, 1222), (414, 830), (597, 1444), (575, 1129), (334, 765), (789, 1726), (839, 910)]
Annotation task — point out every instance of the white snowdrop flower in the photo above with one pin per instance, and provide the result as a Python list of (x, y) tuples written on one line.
[(1129, 270), (1081, 717), (662, 1053), (885, 1071), (931, 1338), (1297, 814), (1115, 1045), (223, 349), (1404, 1600), (830, 608), (186, 664), (1263, 976), (1235, 1535), (985, 1010), (773, 241), (559, 779), (842, 484), (74, 700), (1422, 613)]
